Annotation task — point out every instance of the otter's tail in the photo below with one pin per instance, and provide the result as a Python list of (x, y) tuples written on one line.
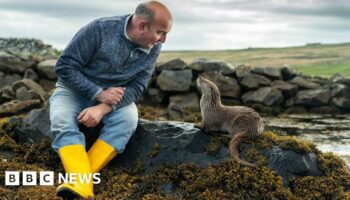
[(235, 141)]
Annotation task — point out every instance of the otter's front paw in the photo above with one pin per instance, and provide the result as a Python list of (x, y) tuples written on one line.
[(199, 126)]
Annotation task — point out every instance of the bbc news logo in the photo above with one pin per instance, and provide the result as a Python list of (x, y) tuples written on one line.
[(30, 178)]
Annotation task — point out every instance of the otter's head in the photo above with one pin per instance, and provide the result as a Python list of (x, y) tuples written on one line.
[(207, 87)]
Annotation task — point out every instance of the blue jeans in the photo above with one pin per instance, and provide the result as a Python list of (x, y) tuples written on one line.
[(65, 106)]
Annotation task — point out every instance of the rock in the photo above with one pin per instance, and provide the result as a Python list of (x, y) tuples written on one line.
[(288, 73), (47, 85), (180, 80), (289, 102), (266, 110), (253, 81), (270, 72), (287, 89), (290, 164), (266, 95), (338, 78), (16, 107), (7, 94), (296, 110), (179, 103), (34, 127), (242, 71), (155, 95), (228, 86), (8, 79), (31, 74), (46, 69), (204, 65), (35, 88), (325, 110), (13, 64), (313, 97), (339, 90), (157, 143), (30, 46), (23, 94), (175, 64), (305, 83), (341, 102)]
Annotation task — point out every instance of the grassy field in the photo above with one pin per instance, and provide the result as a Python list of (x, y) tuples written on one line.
[(321, 60)]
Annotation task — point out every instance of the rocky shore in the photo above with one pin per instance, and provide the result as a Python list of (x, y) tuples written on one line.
[(171, 159)]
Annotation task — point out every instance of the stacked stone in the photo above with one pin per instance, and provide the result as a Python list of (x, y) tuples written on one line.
[(269, 90), (26, 74), (26, 78)]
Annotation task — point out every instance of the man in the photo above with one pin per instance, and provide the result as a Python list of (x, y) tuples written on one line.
[(101, 73)]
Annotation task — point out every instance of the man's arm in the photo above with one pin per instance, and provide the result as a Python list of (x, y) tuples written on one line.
[(76, 55), (134, 88)]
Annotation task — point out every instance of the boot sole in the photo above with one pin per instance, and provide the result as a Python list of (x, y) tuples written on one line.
[(67, 194)]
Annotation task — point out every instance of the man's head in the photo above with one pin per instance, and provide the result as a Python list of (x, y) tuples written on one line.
[(150, 24)]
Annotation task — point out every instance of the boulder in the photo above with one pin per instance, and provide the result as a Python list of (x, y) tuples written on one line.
[(34, 127), (47, 85), (155, 95), (290, 164), (341, 102), (171, 80), (253, 81), (46, 69), (339, 90), (8, 79), (175, 64), (204, 65), (338, 78), (272, 73), (287, 89), (7, 94), (157, 143), (31, 74), (266, 95), (304, 83), (178, 104), (242, 71), (37, 91), (11, 63), (313, 97), (228, 86), (288, 73), (16, 107)]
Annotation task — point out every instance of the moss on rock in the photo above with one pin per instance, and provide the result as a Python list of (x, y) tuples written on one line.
[(228, 180)]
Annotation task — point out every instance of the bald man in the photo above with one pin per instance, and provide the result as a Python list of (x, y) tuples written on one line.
[(101, 73)]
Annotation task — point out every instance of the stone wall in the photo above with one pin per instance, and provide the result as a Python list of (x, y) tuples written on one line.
[(270, 90), (26, 79)]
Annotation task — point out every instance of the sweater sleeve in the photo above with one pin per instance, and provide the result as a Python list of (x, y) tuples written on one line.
[(75, 56), (136, 86)]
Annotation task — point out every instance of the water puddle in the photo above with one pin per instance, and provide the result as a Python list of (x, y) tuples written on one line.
[(329, 133)]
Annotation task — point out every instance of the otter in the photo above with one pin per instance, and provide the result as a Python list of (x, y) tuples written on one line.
[(240, 122)]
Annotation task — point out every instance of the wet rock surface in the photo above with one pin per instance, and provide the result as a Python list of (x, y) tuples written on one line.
[(157, 143)]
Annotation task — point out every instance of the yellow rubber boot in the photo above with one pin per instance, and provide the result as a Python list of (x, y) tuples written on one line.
[(100, 154), (75, 160)]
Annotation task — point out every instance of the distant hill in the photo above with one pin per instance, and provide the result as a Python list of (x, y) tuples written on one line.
[(312, 59)]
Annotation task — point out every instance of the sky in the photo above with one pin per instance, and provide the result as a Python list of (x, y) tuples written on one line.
[(198, 24)]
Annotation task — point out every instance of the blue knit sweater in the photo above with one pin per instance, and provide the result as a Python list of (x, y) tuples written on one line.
[(101, 56)]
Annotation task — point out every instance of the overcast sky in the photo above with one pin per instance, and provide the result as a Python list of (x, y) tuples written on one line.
[(198, 24)]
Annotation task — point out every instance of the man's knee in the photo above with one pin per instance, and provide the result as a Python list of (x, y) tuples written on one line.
[(127, 115)]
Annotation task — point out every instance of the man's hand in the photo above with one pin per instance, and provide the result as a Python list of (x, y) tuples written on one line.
[(91, 116), (111, 96)]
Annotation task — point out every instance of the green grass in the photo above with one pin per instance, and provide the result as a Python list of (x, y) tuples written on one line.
[(325, 70), (316, 60)]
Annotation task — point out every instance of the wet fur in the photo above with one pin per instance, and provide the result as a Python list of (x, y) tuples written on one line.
[(241, 122)]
